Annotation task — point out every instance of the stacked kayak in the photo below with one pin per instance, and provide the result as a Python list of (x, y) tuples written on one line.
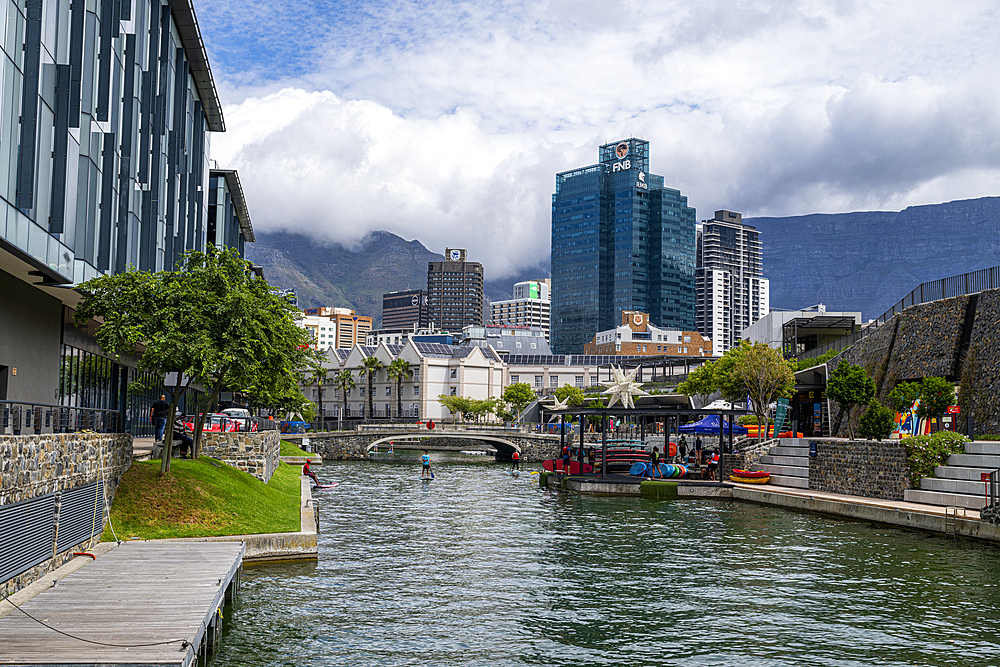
[(750, 476), (664, 470)]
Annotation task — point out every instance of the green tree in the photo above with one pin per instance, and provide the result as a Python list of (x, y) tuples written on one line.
[(399, 370), (878, 422), (936, 394), (849, 386), (901, 399), (370, 367), (345, 382), (517, 396), (457, 405), (318, 376), (700, 383), (757, 371), (480, 408), (572, 396)]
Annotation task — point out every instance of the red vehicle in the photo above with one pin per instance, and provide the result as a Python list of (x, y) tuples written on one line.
[(214, 423)]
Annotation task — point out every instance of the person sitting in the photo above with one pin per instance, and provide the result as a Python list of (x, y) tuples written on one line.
[(181, 435), (306, 472)]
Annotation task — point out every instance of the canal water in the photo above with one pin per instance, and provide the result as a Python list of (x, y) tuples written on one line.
[(481, 568)]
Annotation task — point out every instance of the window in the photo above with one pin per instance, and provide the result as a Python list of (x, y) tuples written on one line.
[(514, 379), (685, 349), (454, 373), (553, 380), (687, 339), (388, 391), (416, 390), (518, 345), (416, 375), (579, 381), (453, 391), (361, 391), (538, 380)]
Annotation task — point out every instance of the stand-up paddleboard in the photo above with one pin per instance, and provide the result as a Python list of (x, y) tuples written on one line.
[(326, 486)]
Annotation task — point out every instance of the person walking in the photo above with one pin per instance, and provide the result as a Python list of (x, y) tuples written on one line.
[(682, 449), (654, 461), (158, 415), (697, 450)]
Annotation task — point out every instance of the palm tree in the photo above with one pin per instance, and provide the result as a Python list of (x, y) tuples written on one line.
[(345, 382), (370, 366), (398, 370), (319, 377)]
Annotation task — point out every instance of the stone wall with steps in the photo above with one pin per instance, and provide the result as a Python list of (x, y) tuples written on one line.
[(959, 482)]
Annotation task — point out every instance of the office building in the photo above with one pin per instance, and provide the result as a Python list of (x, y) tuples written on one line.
[(402, 310), (731, 291), (798, 331), (507, 339), (530, 307), (454, 292), (336, 327), (376, 337), (104, 137), (620, 241), (636, 336)]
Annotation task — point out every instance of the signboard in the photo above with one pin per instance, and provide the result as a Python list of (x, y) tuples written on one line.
[(779, 415), (532, 290), (954, 410)]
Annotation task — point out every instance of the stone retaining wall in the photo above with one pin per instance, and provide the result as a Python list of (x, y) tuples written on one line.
[(860, 468), (36, 465), (254, 453)]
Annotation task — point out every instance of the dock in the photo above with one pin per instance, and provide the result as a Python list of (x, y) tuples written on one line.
[(141, 603)]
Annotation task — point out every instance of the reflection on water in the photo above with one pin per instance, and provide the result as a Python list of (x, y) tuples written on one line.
[(481, 568)]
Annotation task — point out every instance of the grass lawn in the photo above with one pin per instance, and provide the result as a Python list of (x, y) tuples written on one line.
[(291, 449), (198, 499)]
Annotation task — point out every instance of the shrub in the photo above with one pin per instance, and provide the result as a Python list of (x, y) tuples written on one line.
[(878, 421), (926, 452)]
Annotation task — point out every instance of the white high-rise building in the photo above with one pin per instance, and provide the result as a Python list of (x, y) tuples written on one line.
[(530, 307), (730, 290)]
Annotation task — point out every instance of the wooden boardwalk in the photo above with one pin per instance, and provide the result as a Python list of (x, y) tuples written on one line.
[(163, 595)]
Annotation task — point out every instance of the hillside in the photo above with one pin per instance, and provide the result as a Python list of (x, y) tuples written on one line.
[(334, 275), (869, 260)]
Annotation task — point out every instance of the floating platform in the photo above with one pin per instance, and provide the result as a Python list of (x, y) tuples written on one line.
[(142, 603), (615, 484)]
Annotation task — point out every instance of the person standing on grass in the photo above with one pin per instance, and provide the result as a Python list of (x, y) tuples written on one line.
[(158, 415)]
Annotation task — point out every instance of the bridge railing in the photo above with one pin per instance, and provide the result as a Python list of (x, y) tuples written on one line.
[(442, 427)]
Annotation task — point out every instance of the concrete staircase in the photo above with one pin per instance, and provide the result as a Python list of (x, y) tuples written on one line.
[(959, 482), (788, 465)]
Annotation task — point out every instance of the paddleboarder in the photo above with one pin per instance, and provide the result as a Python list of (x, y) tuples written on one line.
[(515, 461), (426, 460), (306, 471)]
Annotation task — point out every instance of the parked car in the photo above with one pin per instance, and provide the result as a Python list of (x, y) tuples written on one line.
[(214, 423), (242, 417)]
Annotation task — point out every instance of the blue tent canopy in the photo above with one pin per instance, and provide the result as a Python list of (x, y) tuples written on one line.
[(710, 426)]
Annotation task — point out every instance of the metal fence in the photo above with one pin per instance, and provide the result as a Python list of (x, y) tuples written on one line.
[(992, 488), (37, 418), (934, 290)]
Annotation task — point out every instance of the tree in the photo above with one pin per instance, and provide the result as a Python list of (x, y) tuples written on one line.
[(479, 408), (517, 396), (370, 367), (345, 382), (212, 320), (901, 399), (878, 422), (700, 383), (399, 370), (849, 386), (757, 371), (936, 394), (572, 396), (319, 374), (457, 405)]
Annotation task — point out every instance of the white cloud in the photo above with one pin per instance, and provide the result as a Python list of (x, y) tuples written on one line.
[(448, 123)]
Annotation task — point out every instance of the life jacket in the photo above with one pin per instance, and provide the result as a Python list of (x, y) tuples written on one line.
[(517, 456)]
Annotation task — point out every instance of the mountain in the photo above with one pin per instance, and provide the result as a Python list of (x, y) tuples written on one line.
[(330, 274), (869, 260)]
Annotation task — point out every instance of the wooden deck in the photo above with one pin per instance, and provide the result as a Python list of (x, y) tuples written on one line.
[(138, 593)]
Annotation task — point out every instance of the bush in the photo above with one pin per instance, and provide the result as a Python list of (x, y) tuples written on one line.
[(878, 422), (747, 420), (927, 452)]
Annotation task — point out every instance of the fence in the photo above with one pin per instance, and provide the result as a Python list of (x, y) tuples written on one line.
[(37, 418), (992, 488), (934, 290)]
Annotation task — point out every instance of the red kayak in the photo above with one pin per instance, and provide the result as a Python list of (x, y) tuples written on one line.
[(751, 473), (555, 465)]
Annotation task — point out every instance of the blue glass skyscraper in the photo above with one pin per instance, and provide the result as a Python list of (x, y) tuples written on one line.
[(620, 241)]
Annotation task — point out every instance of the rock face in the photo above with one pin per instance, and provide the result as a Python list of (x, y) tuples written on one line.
[(256, 453), (860, 468), (869, 260)]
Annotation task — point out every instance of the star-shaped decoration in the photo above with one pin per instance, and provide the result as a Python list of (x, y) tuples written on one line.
[(560, 405), (623, 387)]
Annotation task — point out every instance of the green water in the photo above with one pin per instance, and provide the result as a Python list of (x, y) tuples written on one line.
[(479, 568)]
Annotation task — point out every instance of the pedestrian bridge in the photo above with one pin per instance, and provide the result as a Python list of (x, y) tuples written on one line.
[(359, 444)]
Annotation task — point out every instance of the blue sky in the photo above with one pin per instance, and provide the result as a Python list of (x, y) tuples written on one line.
[(447, 121)]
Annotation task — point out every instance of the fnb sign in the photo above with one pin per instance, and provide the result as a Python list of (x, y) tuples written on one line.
[(623, 165)]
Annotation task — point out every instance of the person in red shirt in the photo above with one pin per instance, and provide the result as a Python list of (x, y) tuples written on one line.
[(306, 471), (515, 461)]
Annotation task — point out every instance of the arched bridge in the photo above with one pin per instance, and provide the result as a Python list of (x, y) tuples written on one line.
[(357, 445)]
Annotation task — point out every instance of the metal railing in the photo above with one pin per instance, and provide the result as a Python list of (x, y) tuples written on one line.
[(18, 418), (934, 290), (992, 488)]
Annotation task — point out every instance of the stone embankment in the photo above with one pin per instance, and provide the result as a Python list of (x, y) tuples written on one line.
[(254, 453)]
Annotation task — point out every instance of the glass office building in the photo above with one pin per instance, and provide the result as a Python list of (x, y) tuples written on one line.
[(106, 109), (620, 241)]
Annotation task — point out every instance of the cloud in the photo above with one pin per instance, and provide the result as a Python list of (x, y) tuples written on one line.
[(447, 122)]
